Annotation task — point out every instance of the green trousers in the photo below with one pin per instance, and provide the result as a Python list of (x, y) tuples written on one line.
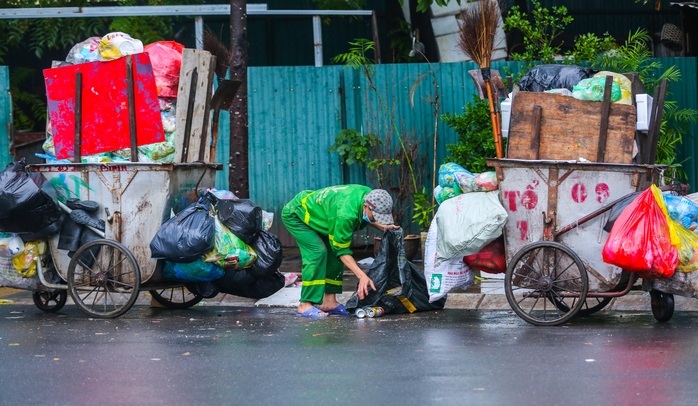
[(322, 271)]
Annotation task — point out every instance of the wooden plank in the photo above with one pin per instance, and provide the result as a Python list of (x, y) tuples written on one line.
[(569, 129), (535, 140), (603, 128), (203, 63), (656, 123)]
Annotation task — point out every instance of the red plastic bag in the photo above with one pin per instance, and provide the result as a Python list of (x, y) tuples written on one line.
[(641, 239), (490, 259), (166, 58)]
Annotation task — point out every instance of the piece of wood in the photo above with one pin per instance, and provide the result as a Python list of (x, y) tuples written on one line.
[(603, 127), (656, 122), (77, 149), (569, 129), (535, 140), (131, 96), (199, 124)]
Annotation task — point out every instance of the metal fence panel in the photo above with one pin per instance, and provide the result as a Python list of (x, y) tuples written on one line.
[(5, 117)]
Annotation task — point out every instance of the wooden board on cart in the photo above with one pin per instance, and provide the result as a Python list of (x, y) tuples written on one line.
[(551, 126), (194, 106)]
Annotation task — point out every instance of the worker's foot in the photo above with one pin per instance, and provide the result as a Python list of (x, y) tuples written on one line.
[(306, 309), (329, 306)]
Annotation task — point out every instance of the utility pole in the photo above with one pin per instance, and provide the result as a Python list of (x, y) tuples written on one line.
[(238, 176)]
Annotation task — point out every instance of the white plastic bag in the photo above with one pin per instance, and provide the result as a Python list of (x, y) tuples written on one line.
[(451, 274), (468, 222), (117, 44), (10, 245)]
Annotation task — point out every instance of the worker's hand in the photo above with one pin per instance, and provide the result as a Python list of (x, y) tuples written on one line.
[(365, 283), (384, 227)]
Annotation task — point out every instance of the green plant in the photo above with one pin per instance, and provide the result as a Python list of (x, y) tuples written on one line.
[(540, 31), (475, 142), (353, 147), (423, 210)]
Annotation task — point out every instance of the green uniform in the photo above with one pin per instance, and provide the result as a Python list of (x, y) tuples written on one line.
[(323, 223)]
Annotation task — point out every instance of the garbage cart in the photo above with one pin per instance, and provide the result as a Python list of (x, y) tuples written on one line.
[(105, 276), (554, 234)]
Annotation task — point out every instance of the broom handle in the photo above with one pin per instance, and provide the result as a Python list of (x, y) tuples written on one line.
[(496, 129)]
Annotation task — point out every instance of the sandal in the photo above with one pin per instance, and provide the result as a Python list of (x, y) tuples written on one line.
[(312, 313), (340, 310)]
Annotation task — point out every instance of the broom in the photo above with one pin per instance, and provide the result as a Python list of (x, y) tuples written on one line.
[(476, 40)]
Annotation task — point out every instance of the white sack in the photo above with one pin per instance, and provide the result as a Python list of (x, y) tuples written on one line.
[(468, 222), (451, 274)]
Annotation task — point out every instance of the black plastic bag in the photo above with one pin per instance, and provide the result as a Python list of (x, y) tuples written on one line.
[(400, 285), (186, 236), (24, 206), (269, 252), (241, 216), (618, 209), (257, 288), (546, 77), (234, 279)]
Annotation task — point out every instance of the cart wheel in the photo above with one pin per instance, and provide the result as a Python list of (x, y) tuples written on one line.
[(662, 305), (50, 301), (545, 272), (176, 298), (104, 278)]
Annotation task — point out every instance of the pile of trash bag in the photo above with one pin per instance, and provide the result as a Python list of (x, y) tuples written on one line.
[(166, 60), (400, 286), (576, 81), (221, 244), (28, 216), (466, 232), (653, 233)]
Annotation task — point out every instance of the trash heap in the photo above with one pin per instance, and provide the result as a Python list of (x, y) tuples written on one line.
[(221, 244), (165, 58), (466, 232), (28, 216)]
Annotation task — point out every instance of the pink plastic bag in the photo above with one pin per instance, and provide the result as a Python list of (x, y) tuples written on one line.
[(641, 239), (166, 58)]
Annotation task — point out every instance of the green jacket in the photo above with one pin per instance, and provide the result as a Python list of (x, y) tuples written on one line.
[(335, 211)]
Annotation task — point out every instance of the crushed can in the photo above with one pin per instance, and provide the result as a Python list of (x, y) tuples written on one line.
[(360, 312), (375, 311)]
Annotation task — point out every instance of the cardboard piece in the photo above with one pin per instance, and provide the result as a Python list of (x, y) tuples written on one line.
[(105, 108)]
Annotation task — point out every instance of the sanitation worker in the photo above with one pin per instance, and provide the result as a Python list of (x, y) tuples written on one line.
[(323, 222)]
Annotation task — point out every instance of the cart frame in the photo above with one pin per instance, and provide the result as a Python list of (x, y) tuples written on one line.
[(105, 276), (546, 281)]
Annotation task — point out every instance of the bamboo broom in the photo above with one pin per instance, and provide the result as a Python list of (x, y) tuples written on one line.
[(476, 40)]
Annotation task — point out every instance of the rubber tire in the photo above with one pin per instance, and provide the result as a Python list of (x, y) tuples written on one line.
[(162, 298), (50, 300), (515, 304), (662, 305), (103, 310)]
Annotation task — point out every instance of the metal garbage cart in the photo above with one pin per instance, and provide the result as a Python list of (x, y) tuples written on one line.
[(104, 276), (554, 235)]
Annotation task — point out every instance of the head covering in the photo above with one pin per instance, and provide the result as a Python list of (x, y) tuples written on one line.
[(381, 204)]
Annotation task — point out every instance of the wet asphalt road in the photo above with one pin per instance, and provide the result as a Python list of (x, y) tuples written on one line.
[(241, 356)]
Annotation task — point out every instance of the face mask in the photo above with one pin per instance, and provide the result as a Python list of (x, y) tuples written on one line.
[(366, 219)]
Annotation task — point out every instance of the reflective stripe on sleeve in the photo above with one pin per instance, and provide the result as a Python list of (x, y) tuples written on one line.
[(338, 245)]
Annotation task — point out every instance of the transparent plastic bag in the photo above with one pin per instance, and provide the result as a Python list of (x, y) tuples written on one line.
[(10, 245)]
